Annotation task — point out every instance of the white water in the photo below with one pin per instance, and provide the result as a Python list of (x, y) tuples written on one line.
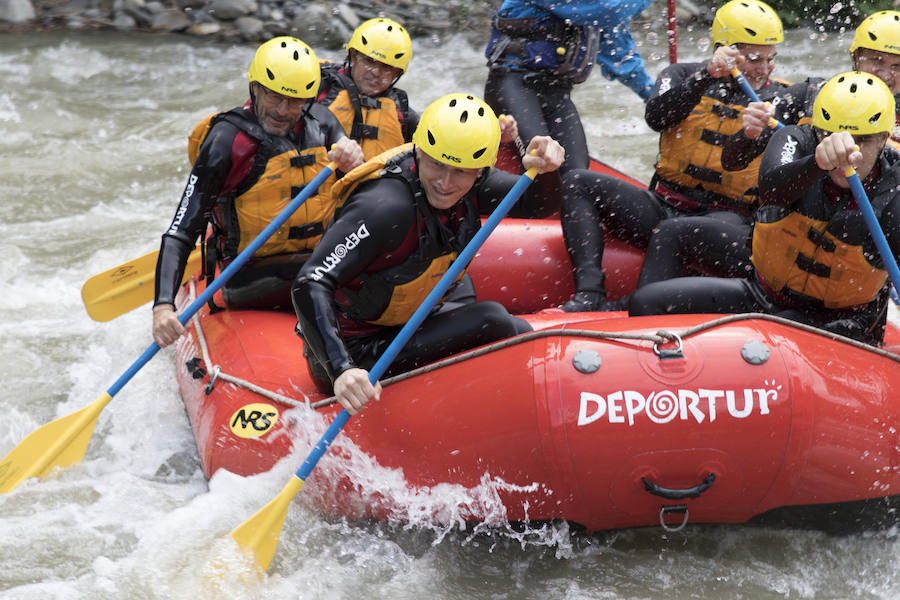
[(92, 141)]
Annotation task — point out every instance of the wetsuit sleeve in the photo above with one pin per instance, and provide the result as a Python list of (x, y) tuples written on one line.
[(788, 166), (678, 90), (205, 184), (540, 200), (410, 122), (739, 150), (373, 223), (890, 224), (796, 101)]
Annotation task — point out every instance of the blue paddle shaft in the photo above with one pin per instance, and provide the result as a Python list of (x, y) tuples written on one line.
[(307, 191), (417, 317), (862, 199), (751, 93)]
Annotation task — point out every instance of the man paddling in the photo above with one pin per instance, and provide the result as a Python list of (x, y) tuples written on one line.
[(814, 258), (248, 163), (713, 247), (402, 219), (695, 107)]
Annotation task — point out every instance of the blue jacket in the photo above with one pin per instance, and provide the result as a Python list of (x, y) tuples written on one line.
[(616, 54)]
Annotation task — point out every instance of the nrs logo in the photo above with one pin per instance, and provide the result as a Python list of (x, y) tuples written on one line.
[(253, 420), (289, 90), (848, 127), (453, 158)]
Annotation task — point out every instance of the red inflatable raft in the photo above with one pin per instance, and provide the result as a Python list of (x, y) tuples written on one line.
[(596, 418)]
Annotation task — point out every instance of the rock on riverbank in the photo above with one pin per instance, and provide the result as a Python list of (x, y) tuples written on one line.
[(320, 23)]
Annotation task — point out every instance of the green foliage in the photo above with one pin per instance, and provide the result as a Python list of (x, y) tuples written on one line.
[(826, 15)]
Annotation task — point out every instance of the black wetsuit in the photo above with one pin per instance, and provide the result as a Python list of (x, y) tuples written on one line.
[(226, 164), (592, 201), (541, 106), (789, 174), (708, 245), (334, 340)]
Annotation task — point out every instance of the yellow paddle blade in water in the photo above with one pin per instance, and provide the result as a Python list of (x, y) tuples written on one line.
[(260, 533), (124, 288), (59, 443)]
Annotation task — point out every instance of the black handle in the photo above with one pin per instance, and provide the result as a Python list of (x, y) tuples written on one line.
[(670, 494)]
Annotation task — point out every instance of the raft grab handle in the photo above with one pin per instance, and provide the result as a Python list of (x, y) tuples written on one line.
[(673, 494)]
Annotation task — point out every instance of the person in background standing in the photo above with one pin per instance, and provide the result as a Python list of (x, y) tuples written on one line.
[(539, 49)]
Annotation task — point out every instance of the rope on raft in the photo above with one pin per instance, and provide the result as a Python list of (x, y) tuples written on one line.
[(216, 372), (659, 338)]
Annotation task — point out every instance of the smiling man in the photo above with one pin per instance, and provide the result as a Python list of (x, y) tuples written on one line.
[(362, 93), (814, 258), (695, 107), (402, 219), (247, 165)]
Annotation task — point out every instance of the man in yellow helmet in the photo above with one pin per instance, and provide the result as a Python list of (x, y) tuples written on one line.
[(248, 163), (362, 93), (402, 219), (708, 245), (695, 107), (814, 258)]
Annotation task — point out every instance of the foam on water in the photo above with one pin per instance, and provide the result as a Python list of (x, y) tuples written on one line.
[(93, 130)]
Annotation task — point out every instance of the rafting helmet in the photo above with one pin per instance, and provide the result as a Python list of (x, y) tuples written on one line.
[(879, 31), (383, 40), (459, 130), (746, 22), (288, 66), (857, 102)]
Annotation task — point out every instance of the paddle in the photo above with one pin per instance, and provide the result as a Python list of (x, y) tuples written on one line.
[(121, 289), (862, 199), (260, 533), (64, 441), (742, 82)]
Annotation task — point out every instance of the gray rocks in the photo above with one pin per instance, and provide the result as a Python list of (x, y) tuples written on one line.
[(320, 23)]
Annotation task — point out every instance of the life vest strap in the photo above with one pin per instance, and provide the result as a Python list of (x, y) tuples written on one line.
[(818, 238), (361, 131), (301, 232), (302, 160), (812, 267)]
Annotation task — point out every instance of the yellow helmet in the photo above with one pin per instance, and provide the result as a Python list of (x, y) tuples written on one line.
[(288, 66), (879, 31), (383, 40), (459, 130), (746, 22), (856, 102)]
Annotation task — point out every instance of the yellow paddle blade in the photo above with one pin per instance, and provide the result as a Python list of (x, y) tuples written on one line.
[(124, 288), (59, 443), (259, 534)]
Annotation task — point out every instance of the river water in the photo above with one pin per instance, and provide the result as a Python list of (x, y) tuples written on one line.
[(92, 140)]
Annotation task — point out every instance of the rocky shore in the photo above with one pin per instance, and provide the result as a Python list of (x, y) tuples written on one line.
[(321, 23)]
